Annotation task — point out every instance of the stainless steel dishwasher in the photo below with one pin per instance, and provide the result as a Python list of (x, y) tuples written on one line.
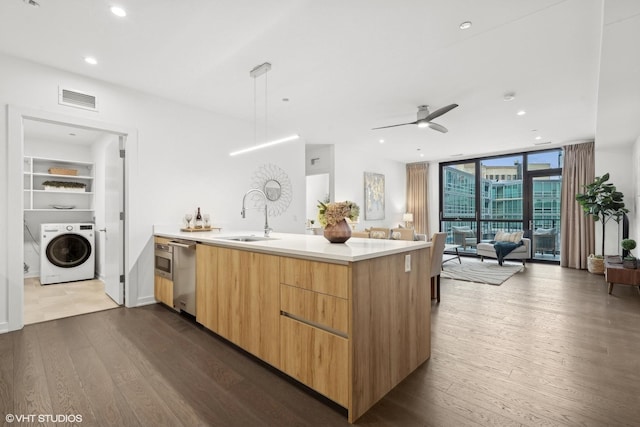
[(184, 276)]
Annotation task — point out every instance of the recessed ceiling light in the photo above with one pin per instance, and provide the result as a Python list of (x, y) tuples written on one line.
[(285, 99), (382, 141), (521, 113), (509, 96), (542, 143), (421, 154), (32, 3), (538, 137), (90, 60), (72, 134), (465, 25), (118, 11)]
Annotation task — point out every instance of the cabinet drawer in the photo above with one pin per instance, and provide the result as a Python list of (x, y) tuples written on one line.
[(331, 279), (321, 309), (162, 240), (316, 358)]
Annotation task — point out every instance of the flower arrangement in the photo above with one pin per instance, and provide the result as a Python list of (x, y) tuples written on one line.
[(333, 213)]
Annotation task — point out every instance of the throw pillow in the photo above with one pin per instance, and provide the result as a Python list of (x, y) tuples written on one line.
[(378, 235), (514, 237), (402, 234)]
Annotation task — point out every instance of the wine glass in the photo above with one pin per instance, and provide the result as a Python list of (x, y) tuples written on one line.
[(207, 220), (188, 217)]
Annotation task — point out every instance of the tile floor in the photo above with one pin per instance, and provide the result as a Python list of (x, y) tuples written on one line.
[(48, 302)]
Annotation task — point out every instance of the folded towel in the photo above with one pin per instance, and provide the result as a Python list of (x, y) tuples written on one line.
[(505, 248)]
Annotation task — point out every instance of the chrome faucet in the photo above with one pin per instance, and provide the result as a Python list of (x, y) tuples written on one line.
[(267, 230)]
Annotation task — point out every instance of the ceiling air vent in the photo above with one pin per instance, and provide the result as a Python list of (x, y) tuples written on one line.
[(74, 98)]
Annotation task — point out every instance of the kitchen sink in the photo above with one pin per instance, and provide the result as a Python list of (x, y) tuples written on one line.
[(247, 238)]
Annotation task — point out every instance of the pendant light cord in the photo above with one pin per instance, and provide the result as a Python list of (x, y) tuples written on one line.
[(266, 108), (255, 112)]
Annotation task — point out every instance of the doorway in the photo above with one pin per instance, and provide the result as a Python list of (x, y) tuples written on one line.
[(114, 252), (542, 214), (64, 154)]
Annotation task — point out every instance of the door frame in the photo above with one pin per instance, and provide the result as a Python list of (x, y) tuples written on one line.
[(527, 207), (15, 231)]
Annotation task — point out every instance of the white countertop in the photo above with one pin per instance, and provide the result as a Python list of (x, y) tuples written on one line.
[(298, 245)]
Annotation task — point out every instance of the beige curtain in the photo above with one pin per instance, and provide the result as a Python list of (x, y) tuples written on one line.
[(417, 186), (577, 235)]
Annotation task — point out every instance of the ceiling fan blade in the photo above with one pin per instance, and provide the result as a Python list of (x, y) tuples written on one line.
[(438, 127), (440, 112), (392, 126)]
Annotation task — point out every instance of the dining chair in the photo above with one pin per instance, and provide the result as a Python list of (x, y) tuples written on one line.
[(437, 252)]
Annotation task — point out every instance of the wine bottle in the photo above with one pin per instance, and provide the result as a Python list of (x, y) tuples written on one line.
[(198, 219)]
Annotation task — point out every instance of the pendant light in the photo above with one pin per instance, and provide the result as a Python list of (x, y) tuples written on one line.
[(256, 72)]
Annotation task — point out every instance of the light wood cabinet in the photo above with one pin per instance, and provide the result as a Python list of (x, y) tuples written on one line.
[(207, 286), (163, 290), (390, 325), (314, 325), (243, 287), (323, 277), (349, 331), (316, 358), (326, 311)]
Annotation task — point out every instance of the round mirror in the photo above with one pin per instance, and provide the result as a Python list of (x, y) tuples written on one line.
[(273, 190)]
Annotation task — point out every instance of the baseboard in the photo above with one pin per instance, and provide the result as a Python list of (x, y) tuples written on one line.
[(4, 327), (145, 301)]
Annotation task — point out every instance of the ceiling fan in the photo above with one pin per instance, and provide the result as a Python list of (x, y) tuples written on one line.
[(425, 117)]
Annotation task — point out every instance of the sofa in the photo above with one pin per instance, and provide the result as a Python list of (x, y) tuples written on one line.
[(389, 233), (521, 253)]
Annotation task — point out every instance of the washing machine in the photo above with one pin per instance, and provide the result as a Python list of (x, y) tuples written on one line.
[(67, 252)]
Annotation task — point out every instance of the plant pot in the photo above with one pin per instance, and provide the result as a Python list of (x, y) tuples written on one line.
[(630, 263), (595, 264), (339, 233)]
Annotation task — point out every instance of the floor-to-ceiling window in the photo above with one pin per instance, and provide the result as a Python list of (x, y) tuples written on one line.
[(513, 192)]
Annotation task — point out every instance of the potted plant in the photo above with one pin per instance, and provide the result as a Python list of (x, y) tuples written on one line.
[(332, 217), (629, 261), (64, 186), (603, 202)]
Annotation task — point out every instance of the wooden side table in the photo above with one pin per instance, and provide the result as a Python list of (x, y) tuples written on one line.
[(614, 272)]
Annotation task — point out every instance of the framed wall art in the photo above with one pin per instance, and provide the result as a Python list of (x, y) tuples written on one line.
[(373, 196)]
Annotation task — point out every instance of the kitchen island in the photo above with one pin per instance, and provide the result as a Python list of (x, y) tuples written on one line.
[(348, 320)]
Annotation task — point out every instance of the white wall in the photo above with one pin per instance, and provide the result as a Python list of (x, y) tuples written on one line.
[(317, 190), (181, 162), (619, 163), (634, 197), (350, 166), (433, 195)]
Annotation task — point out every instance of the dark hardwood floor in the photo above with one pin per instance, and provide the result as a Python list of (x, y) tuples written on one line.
[(548, 347)]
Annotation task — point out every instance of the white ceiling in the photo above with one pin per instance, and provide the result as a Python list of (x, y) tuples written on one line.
[(349, 66)]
